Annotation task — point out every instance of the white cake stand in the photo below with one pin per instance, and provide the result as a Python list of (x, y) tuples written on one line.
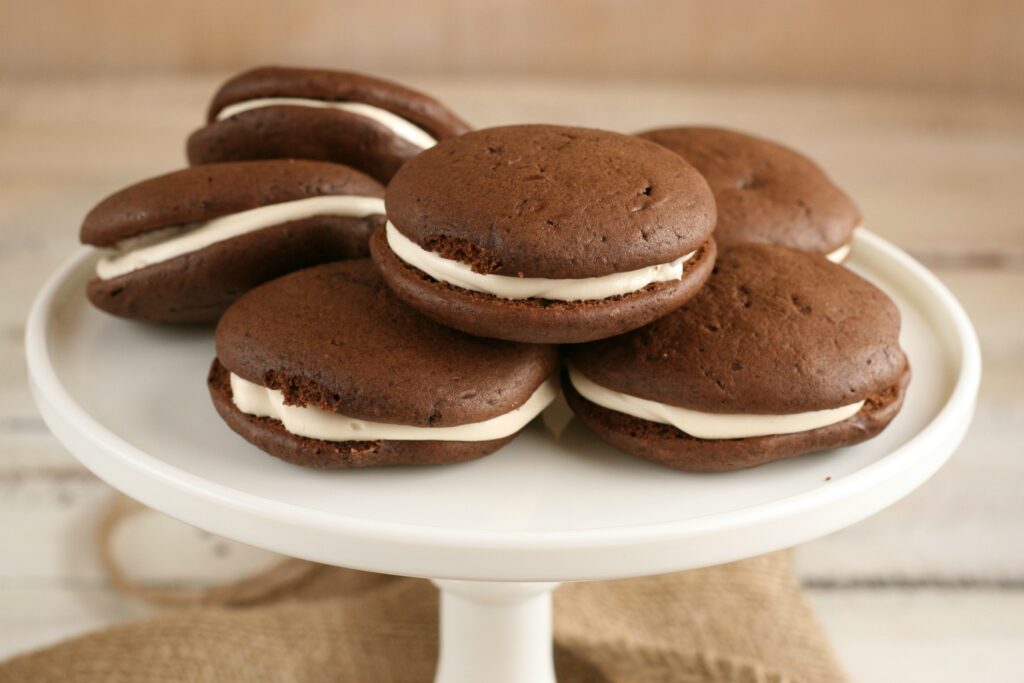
[(496, 535)]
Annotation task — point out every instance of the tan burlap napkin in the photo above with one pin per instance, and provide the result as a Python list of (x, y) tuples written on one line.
[(305, 623)]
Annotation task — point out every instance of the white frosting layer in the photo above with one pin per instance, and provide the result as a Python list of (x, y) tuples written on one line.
[(708, 425), (162, 245), (403, 128), (840, 254), (507, 287), (314, 423)]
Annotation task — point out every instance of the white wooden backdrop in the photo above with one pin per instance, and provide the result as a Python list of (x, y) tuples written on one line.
[(932, 589)]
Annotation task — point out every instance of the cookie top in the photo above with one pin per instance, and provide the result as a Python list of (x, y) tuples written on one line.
[(200, 193), (552, 201), (335, 337), (764, 192), (339, 86), (774, 331)]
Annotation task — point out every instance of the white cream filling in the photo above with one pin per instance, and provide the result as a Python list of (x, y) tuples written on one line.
[(314, 423), (840, 254), (162, 245), (506, 287), (403, 128), (708, 425)]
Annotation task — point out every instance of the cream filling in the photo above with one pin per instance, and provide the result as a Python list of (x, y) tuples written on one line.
[(403, 128), (506, 287), (840, 254), (708, 425), (162, 245), (314, 423)]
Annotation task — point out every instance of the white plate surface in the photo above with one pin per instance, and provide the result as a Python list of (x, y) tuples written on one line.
[(130, 401)]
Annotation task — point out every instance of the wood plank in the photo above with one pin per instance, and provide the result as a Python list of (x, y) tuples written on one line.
[(59, 546), (27, 449), (949, 44), (30, 249), (939, 637)]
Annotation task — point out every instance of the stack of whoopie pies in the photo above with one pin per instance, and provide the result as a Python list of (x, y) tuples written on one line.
[(682, 286)]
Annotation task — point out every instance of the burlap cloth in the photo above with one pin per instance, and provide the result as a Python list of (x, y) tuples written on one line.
[(301, 622)]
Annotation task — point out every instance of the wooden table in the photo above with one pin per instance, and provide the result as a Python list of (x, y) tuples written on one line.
[(932, 589)]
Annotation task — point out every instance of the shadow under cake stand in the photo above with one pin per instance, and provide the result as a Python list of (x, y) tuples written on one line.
[(496, 535)]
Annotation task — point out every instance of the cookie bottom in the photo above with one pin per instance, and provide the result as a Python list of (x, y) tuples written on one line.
[(288, 131), (667, 445), (269, 435), (199, 286), (538, 320)]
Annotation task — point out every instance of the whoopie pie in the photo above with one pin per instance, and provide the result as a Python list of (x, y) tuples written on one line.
[(782, 353), (766, 192), (326, 368), (181, 247), (546, 234), (368, 123)]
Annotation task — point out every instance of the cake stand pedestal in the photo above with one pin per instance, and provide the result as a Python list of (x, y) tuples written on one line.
[(129, 400), (495, 631)]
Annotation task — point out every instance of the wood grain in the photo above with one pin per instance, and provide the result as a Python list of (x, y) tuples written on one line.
[(940, 44)]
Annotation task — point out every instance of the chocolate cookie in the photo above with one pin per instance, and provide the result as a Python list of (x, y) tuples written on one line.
[(181, 247), (765, 192), (278, 112), (782, 353), (325, 367), (546, 233)]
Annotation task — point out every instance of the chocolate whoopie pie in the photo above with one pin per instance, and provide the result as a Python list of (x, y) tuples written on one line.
[(183, 246), (546, 233), (766, 192), (325, 367), (782, 353), (278, 112)]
